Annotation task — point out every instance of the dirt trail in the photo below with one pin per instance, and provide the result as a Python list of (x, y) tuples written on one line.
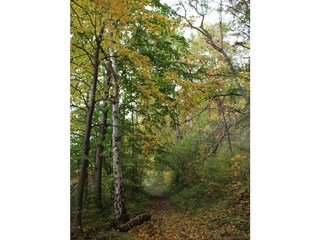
[(169, 223)]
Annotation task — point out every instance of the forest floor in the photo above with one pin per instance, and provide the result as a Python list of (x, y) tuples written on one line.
[(167, 222), (216, 220)]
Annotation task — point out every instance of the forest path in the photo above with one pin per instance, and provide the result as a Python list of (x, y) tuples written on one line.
[(169, 223)]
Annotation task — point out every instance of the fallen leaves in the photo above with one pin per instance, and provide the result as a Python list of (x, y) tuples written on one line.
[(168, 223)]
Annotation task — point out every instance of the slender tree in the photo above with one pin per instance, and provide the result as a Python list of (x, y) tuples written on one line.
[(119, 202), (101, 138), (86, 144), (83, 40)]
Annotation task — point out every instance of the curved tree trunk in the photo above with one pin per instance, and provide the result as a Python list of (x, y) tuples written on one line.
[(233, 71), (218, 48)]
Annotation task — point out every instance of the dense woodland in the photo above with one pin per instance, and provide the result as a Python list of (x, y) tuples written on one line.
[(160, 114)]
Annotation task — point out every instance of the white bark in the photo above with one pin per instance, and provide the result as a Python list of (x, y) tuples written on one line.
[(119, 207)]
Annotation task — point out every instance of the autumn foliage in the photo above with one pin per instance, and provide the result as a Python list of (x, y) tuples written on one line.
[(159, 120)]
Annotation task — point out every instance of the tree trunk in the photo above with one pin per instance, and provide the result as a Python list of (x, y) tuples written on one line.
[(191, 121), (134, 222), (220, 104), (86, 147), (135, 121), (99, 157), (133, 156), (178, 133), (119, 203)]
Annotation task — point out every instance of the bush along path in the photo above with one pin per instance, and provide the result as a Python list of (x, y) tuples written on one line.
[(225, 220)]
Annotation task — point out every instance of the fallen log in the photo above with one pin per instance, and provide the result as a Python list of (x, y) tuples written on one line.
[(137, 220)]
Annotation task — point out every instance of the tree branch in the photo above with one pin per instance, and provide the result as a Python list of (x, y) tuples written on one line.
[(81, 94)]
